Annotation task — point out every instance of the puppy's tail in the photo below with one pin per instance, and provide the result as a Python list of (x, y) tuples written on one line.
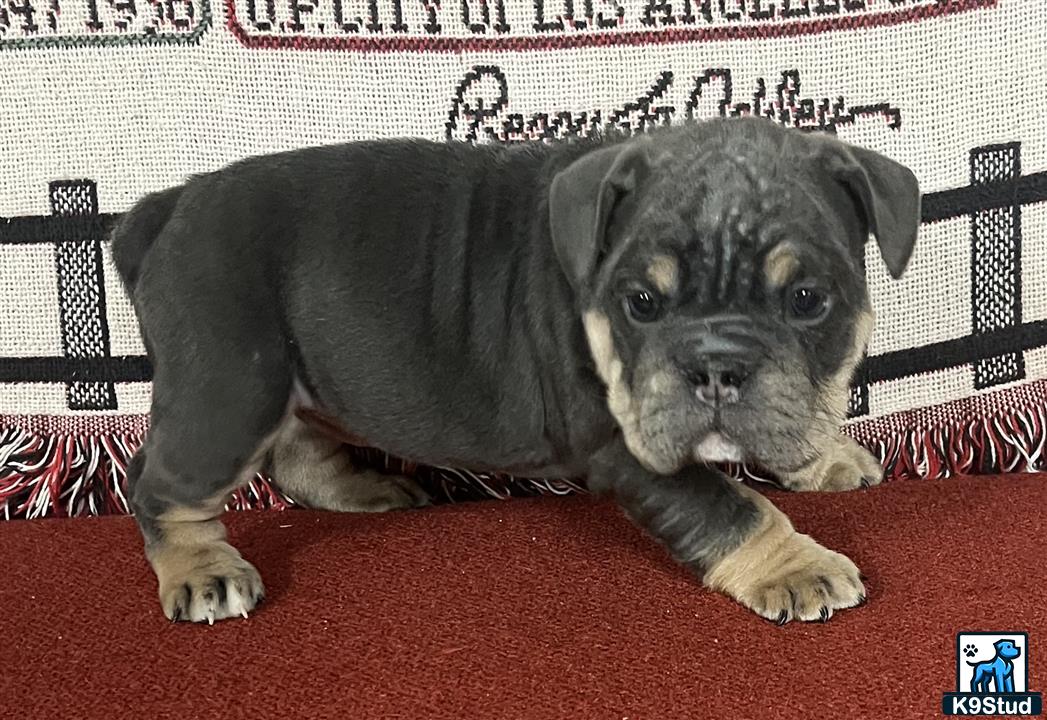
[(138, 228)]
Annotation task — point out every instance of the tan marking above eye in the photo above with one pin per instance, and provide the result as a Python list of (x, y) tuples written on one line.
[(664, 272), (780, 265)]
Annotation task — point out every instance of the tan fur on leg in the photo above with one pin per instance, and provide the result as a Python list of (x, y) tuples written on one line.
[(202, 577), (844, 465), (782, 575), (316, 470)]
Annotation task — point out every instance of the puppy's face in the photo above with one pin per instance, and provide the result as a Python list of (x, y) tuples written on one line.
[(723, 293), (1007, 649)]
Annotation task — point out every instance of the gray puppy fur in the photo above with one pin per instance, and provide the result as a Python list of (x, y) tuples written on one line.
[(628, 309)]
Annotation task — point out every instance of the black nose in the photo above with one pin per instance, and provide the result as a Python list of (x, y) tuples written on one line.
[(717, 380)]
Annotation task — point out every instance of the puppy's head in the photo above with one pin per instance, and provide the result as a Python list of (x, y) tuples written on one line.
[(719, 267)]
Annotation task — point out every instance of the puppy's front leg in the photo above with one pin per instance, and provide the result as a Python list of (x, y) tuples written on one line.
[(842, 465), (733, 537)]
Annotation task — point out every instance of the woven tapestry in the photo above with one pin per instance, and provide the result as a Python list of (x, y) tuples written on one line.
[(102, 101)]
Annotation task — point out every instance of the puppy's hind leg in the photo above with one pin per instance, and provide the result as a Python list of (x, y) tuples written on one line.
[(318, 472), (210, 431)]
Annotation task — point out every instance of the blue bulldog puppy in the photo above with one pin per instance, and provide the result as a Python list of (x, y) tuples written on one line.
[(631, 309)]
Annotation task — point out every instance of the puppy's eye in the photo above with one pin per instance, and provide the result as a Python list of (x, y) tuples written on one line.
[(807, 303), (643, 306)]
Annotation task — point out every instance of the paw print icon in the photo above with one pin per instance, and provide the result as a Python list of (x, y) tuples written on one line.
[(970, 650)]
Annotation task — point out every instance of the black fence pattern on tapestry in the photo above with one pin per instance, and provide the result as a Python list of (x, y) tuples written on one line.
[(993, 201)]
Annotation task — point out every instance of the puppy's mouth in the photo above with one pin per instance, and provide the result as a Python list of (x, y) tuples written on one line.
[(716, 447)]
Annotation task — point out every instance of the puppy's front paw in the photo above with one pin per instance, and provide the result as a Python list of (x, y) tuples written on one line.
[(207, 582), (783, 575), (845, 465), (812, 584), (800, 580)]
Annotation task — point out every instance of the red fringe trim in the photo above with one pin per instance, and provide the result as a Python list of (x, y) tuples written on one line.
[(64, 474), (67, 476), (1003, 443)]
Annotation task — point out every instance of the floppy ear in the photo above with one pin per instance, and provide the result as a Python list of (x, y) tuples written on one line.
[(887, 193), (581, 199)]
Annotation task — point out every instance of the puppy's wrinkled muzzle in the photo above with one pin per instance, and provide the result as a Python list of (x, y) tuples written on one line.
[(718, 381), (718, 358)]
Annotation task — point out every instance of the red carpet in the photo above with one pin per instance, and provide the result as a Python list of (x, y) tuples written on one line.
[(545, 608)]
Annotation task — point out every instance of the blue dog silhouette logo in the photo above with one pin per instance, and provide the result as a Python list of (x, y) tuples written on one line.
[(995, 674), (992, 673)]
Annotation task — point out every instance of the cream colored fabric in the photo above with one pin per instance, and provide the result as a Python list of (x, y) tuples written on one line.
[(178, 90)]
